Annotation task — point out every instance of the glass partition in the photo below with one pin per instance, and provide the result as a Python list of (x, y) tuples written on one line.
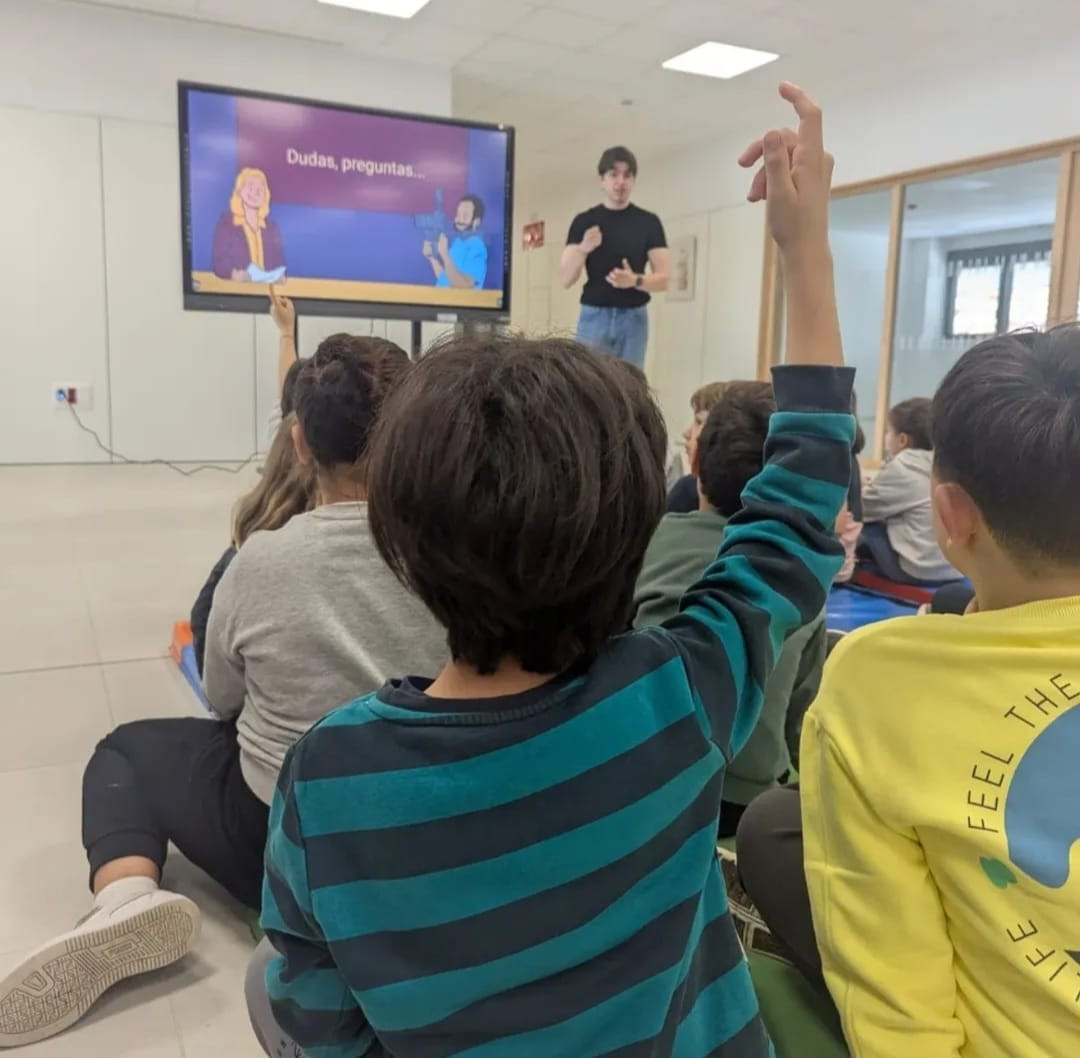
[(974, 261)]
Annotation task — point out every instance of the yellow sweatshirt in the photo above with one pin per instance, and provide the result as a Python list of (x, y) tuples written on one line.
[(941, 809)]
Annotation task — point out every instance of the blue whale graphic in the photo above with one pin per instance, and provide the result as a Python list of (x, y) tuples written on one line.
[(1042, 810)]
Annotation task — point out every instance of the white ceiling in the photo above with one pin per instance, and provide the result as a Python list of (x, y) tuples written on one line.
[(560, 70)]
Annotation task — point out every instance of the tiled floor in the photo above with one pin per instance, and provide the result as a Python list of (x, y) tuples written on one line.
[(95, 565)]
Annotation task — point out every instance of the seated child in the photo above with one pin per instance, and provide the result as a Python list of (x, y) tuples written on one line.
[(898, 535), (518, 857), (729, 455), (285, 487), (940, 838), (305, 618), (683, 495)]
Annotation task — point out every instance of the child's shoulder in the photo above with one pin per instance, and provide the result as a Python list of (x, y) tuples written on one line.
[(913, 638), (337, 729)]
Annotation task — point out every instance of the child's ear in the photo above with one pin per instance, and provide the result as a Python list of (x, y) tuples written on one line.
[(303, 453), (957, 520)]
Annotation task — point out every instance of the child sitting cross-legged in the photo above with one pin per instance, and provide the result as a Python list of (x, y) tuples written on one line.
[(729, 454), (518, 857)]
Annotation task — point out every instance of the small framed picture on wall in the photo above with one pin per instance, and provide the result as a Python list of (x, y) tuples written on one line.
[(683, 268)]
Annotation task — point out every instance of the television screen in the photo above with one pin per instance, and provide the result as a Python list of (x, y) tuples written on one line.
[(352, 211)]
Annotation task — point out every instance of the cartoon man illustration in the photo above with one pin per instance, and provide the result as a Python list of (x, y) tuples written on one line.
[(247, 243), (461, 262)]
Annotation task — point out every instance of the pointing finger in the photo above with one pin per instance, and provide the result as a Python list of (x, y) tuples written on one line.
[(810, 125)]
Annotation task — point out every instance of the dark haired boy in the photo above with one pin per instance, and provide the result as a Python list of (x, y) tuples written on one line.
[(517, 857), (623, 251), (941, 838), (728, 455)]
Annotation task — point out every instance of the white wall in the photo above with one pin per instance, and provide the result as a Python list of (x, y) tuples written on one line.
[(926, 121), (90, 212)]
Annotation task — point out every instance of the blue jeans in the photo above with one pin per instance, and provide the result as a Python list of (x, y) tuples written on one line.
[(623, 332)]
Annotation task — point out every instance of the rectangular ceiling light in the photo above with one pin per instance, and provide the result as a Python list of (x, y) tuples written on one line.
[(393, 8), (719, 60)]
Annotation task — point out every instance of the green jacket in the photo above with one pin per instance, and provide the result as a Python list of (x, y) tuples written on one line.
[(683, 545)]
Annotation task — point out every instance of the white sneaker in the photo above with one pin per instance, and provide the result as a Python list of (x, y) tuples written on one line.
[(58, 983)]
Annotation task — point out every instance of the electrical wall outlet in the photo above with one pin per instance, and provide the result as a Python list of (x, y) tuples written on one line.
[(80, 395)]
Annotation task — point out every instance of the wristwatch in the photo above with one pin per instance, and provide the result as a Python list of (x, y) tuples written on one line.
[(639, 282)]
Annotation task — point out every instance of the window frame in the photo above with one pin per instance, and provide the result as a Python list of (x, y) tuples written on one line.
[(1010, 254)]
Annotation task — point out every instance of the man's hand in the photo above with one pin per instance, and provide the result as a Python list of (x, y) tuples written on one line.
[(282, 312), (240, 275), (795, 177), (592, 239), (623, 278), (429, 250), (444, 246)]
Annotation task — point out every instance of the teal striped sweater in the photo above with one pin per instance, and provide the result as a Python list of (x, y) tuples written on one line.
[(535, 876)]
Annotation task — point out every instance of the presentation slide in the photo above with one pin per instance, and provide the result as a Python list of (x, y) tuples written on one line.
[(343, 205)]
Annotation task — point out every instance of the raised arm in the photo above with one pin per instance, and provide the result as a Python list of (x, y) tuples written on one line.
[(780, 552), (283, 313)]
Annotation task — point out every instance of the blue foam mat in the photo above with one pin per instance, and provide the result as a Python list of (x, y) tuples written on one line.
[(190, 670), (849, 609)]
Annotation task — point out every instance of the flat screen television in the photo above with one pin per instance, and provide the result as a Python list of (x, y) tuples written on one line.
[(355, 212)]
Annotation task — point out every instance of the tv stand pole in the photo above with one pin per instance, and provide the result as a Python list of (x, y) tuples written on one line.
[(417, 339)]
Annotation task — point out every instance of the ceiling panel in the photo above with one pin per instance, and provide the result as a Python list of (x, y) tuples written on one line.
[(562, 27)]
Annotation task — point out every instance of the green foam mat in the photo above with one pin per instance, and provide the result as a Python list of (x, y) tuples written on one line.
[(802, 1023)]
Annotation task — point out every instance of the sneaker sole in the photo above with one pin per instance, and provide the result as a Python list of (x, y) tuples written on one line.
[(57, 985)]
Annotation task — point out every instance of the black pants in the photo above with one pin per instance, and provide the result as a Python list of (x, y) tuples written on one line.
[(157, 781), (770, 850)]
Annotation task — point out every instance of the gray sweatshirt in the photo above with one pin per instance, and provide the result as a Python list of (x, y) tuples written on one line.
[(899, 496), (308, 618)]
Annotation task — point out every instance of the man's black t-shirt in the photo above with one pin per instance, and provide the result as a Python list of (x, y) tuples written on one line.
[(629, 233)]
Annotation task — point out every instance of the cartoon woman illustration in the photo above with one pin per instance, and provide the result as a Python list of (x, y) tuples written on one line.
[(247, 244)]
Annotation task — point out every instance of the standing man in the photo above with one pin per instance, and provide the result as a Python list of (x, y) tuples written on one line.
[(461, 263), (613, 243)]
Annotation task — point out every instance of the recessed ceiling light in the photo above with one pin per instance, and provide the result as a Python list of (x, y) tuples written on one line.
[(394, 8), (719, 60)]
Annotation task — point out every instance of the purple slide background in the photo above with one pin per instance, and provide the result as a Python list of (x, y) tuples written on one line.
[(338, 225), (439, 154)]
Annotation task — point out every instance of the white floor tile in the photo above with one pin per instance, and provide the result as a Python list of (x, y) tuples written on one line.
[(42, 633), (142, 689), (52, 717), (44, 876), (99, 563)]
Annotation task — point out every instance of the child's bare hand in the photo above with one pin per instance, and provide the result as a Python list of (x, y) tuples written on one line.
[(794, 176), (282, 312)]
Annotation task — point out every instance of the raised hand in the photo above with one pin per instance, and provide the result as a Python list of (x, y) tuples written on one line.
[(794, 176), (282, 312)]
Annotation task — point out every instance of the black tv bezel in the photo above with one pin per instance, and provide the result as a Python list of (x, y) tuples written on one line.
[(418, 311)]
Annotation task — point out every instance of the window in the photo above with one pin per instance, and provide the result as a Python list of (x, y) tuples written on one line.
[(995, 289)]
